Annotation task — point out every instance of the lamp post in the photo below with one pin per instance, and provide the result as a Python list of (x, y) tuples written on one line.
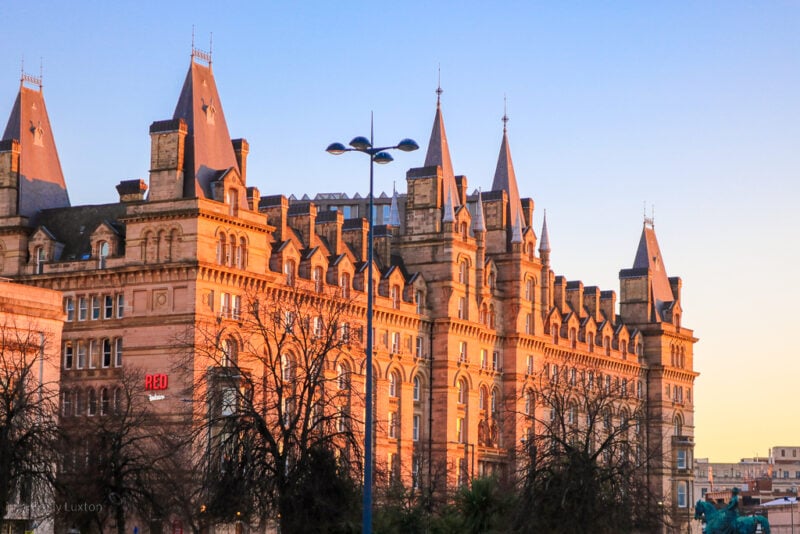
[(381, 156)]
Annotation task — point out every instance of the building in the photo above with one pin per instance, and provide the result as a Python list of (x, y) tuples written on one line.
[(31, 320), (468, 307)]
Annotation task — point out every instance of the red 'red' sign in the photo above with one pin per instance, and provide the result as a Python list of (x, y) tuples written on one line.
[(156, 382)]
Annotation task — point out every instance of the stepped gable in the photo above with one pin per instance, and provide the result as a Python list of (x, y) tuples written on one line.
[(209, 151), (41, 181)]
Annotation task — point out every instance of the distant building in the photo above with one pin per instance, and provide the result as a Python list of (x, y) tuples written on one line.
[(468, 307)]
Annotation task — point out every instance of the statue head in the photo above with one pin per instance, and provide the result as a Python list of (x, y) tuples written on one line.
[(735, 491)]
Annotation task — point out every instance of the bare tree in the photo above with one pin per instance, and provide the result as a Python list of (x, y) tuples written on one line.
[(114, 462), (585, 455), (275, 373), (28, 419)]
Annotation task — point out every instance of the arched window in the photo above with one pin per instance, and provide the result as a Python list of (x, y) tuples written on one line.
[(492, 280), (395, 295), (462, 272), (494, 400), (419, 298), (462, 391), (529, 289), (92, 410), (241, 254), (231, 252), (343, 375), (678, 425), (344, 285), (482, 398), (230, 352), (222, 247), (233, 202), (417, 388), (317, 278), (287, 368), (102, 254), (104, 400), (394, 380)]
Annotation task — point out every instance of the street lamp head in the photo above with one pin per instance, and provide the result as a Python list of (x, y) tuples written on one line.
[(383, 158), (361, 143), (336, 149), (407, 145)]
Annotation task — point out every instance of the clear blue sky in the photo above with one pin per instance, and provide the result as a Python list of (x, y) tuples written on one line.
[(693, 107)]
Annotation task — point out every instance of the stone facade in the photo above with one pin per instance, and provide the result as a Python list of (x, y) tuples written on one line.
[(468, 309)]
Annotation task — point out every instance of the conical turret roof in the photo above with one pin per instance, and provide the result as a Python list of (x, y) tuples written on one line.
[(506, 180), (544, 242), (648, 256), (41, 181), (439, 154), (209, 152)]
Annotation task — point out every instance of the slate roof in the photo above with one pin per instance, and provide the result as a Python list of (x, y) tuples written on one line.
[(439, 154), (74, 226)]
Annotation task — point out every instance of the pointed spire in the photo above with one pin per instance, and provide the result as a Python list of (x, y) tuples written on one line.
[(479, 224), (449, 214), (648, 256), (544, 242), (505, 179), (516, 229), (439, 154), (209, 152), (41, 180), (394, 212)]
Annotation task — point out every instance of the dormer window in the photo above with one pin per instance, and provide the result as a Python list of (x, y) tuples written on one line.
[(39, 257), (102, 254), (288, 271), (316, 277), (233, 202)]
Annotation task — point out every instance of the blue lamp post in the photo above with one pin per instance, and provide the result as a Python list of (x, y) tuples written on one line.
[(381, 156)]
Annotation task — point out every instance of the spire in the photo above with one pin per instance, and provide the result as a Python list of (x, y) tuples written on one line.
[(439, 154), (209, 152), (648, 256), (41, 181), (505, 179), (516, 229), (544, 242), (479, 225), (449, 214), (394, 212)]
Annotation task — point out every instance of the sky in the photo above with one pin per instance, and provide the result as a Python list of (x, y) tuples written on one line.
[(691, 109)]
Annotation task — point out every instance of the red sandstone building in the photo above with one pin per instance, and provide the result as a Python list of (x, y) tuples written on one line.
[(468, 306)]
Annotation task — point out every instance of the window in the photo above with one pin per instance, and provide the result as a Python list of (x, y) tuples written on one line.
[(40, 258), (683, 498), (393, 384), (418, 298), (460, 433), (462, 272), (233, 202), (106, 353), (68, 355), (108, 307), (120, 306), (681, 459), (118, 352), (104, 401), (225, 304), (343, 376), (344, 332), (81, 354), (484, 358), (92, 410), (236, 306), (420, 352), (228, 406), (529, 323), (494, 401), (241, 254), (95, 308), (221, 248), (554, 375), (528, 403), (415, 482), (69, 308), (344, 284), (462, 391), (415, 428), (317, 278), (678, 424), (90, 354), (102, 254), (590, 341), (393, 425), (496, 364), (395, 296), (529, 289), (318, 326), (462, 351), (396, 342), (82, 309), (288, 271), (66, 403), (462, 307), (417, 388), (482, 399), (573, 376), (229, 353), (607, 345)]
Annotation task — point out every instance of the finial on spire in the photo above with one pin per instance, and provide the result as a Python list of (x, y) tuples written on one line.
[(30, 78), (505, 114), (439, 90), (648, 221), (202, 54)]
